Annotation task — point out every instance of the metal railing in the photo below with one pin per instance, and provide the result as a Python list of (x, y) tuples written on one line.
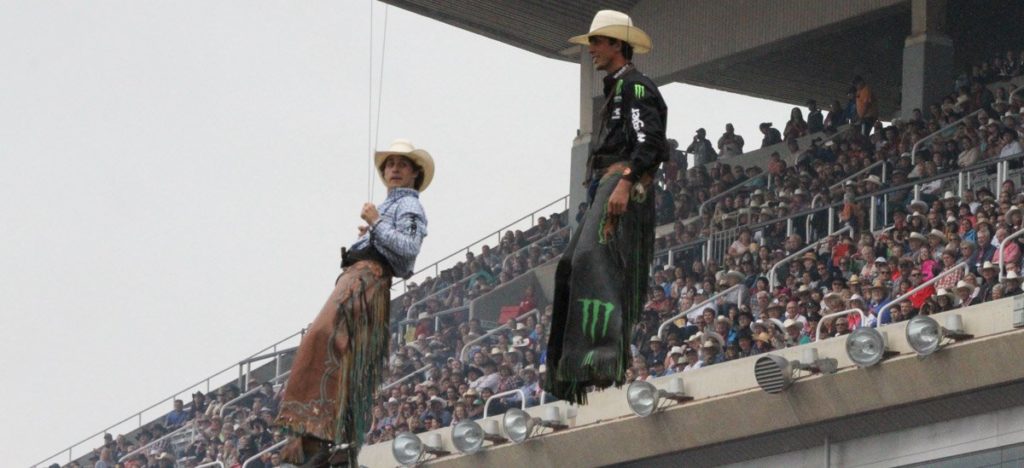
[(913, 150), (861, 172), (1002, 251), (701, 305), (917, 289), (466, 346), (138, 415), (247, 394), (742, 185), (188, 425), (522, 398), (811, 246), (436, 316), (863, 320), (211, 464), (497, 234), (560, 231), (264, 451), (407, 377)]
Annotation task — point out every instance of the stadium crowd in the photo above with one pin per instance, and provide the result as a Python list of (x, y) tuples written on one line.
[(927, 236)]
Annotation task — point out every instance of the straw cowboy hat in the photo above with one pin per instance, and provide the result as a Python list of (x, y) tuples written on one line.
[(616, 25), (405, 148)]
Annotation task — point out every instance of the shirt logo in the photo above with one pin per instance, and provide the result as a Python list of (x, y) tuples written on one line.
[(638, 125)]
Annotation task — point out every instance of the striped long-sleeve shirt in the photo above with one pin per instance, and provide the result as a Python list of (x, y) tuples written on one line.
[(400, 232)]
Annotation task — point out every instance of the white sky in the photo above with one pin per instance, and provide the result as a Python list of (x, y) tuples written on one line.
[(176, 179)]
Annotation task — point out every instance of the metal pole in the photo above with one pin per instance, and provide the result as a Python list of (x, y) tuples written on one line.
[(960, 184), (872, 212), (831, 220)]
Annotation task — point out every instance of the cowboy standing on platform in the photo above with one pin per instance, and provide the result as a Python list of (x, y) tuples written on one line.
[(329, 396), (602, 277)]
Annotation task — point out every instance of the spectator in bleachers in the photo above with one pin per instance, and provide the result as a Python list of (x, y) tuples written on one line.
[(796, 127), (701, 149), (771, 135), (730, 144), (815, 119), (177, 416)]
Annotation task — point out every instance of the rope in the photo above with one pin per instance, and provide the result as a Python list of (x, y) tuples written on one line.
[(373, 127), (369, 111)]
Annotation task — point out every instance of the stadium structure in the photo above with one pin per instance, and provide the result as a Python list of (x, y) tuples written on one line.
[(943, 393)]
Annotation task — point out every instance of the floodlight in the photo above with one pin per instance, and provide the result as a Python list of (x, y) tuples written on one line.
[(467, 436), (407, 449), (773, 373), (643, 397), (518, 424), (865, 347), (925, 335)]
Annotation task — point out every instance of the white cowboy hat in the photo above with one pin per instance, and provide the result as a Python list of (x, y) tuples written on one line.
[(418, 156), (616, 25)]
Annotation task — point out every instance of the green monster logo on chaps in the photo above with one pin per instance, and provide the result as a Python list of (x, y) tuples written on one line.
[(594, 312)]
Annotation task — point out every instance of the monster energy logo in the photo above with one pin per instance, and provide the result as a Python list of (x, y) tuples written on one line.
[(618, 87), (593, 309), (638, 90)]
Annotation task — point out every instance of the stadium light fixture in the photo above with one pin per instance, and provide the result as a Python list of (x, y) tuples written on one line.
[(926, 336), (643, 397), (866, 347), (409, 450), (775, 373), (467, 437), (519, 425)]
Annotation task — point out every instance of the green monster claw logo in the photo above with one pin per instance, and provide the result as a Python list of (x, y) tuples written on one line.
[(592, 312), (638, 90)]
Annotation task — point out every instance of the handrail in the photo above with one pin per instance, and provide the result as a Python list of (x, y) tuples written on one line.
[(465, 346), (522, 398), (187, 425), (245, 395), (813, 245), (913, 151), (436, 315), (211, 464), (175, 395), (817, 331), (857, 174), (807, 224), (909, 185), (710, 300), (727, 192), (499, 231), (528, 246), (266, 450), (413, 306), (406, 377), (918, 288), (1001, 251)]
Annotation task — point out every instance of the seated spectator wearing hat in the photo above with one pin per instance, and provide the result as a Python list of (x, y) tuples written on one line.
[(1011, 284), (965, 293), (795, 335), (656, 351)]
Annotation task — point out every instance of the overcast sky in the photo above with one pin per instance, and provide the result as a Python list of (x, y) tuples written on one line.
[(176, 179)]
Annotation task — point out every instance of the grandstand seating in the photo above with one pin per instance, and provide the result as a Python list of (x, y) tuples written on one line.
[(848, 221)]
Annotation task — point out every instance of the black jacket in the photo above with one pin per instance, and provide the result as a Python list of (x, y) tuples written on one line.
[(632, 123)]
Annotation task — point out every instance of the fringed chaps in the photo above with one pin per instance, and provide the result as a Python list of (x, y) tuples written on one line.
[(340, 361), (600, 286)]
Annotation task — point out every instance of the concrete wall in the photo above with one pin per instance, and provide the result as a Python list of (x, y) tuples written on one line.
[(730, 413)]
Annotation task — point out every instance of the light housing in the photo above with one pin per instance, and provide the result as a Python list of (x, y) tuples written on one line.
[(467, 437), (407, 449), (773, 373), (642, 398), (518, 425), (865, 347), (924, 335)]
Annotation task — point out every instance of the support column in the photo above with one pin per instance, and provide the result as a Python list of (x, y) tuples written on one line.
[(589, 87), (927, 57)]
